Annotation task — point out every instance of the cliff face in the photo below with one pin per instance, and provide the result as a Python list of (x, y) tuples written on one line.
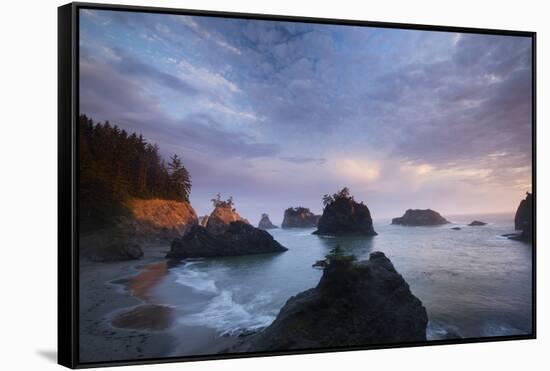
[(221, 217), (420, 218), (299, 217), (238, 239), (344, 216), (163, 219), (354, 304), (265, 223), (524, 218)]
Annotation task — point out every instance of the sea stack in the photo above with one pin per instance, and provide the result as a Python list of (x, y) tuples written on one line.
[(477, 223), (299, 217), (354, 304), (419, 217), (222, 216), (265, 223), (239, 238), (343, 216), (523, 220)]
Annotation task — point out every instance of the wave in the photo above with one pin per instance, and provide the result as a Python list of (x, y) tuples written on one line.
[(229, 317), (197, 280)]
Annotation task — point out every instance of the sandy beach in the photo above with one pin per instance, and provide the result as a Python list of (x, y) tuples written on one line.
[(117, 294)]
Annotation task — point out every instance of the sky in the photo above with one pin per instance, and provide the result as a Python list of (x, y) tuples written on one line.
[(277, 114)]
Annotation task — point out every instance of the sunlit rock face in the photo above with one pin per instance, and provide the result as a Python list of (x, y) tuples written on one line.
[(221, 217), (419, 217)]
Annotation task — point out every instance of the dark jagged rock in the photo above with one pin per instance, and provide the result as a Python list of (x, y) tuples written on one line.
[(265, 223), (354, 304), (476, 223), (299, 217), (203, 220), (344, 216), (456, 228), (524, 219), (419, 217), (238, 239), (109, 245)]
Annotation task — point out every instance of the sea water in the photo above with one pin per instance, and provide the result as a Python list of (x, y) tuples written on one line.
[(473, 282)]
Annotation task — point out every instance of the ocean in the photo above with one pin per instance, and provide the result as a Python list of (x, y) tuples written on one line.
[(473, 282)]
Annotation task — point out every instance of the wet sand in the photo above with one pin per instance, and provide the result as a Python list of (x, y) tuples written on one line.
[(120, 320)]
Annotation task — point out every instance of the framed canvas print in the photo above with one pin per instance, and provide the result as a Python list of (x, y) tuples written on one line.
[(236, 185)]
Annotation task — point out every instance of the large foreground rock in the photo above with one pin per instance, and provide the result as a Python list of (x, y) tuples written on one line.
[(220, 219), (299, 217), (354, 304), (523, 220), (344, 216), (238, 239), (265, 223), (419, 217)]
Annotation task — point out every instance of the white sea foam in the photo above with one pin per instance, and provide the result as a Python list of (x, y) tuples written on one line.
[(230, 317), (197, 280)]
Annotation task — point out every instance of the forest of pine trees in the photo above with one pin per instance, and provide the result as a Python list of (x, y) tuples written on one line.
[(115, 165)]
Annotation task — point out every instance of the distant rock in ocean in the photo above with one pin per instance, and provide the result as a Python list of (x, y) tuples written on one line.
[(456, 228), (343, 216), (419, 217), (523, 220), (354, 304), (265, 223), (299, 217), (239, 238), (203, 220), (476, 223)]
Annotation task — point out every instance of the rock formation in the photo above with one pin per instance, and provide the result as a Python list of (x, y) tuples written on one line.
[(299, 217), (203, 220), (523, 220), (156, 219), (265, 223), (354, 304), (343, 216), (419, 217), (238, 238), (456, 228), (109, 245), (476, 223), (220, 219)]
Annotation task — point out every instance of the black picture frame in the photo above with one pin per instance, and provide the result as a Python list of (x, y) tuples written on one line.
[(68, 228)]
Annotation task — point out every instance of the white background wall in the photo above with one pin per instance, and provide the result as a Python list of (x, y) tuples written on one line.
[(28, 182)]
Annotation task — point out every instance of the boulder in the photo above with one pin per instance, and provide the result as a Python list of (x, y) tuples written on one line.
[(238, 239), (220, 219), (354, 304), (476, 223), (456, 228), (265, 223), (299, 217), (344, 216), (419, 217), (523, 220)]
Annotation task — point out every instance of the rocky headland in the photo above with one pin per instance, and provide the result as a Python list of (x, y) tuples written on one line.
[(343, 216), (523, 220), (299, 217), (265, 223), (419, 217), (354, 304)]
